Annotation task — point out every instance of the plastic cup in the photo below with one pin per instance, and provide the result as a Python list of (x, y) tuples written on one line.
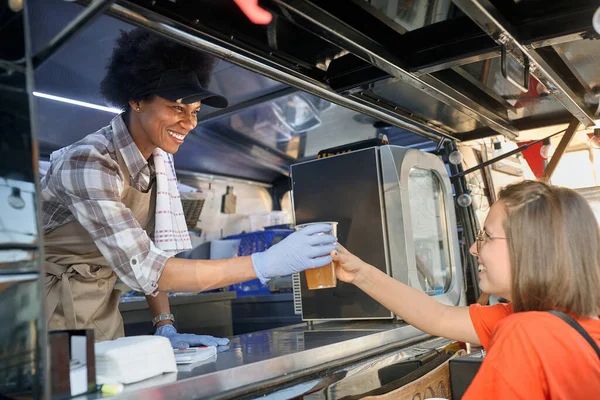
[(322, 277)]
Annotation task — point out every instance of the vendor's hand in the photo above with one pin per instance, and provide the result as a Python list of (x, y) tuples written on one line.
[(347, 266), (185, 340), (304, 249)]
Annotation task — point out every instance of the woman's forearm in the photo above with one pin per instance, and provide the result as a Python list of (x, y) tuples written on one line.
[(416, 307), (183, 275), (159, 304), (410, 304)]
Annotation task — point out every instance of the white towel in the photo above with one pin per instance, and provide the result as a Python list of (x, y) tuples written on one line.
[(133, 358), (170, 230)]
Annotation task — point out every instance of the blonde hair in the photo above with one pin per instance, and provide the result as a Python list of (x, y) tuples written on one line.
[(554, 248)]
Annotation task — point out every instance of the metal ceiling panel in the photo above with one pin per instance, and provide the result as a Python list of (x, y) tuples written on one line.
[(398, 92), (537, 101), (414, 14), (347, 37), (584, 57), (489, 19), (207, 154)]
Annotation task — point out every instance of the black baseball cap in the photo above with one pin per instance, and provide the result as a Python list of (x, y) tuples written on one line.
[(182, 86)]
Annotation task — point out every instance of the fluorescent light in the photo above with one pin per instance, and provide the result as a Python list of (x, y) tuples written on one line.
[(77, 102)]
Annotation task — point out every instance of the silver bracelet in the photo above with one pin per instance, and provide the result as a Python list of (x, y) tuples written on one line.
[(162, 317)]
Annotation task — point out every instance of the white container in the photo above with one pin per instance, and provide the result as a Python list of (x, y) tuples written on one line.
[(259, 221), (278, 218)]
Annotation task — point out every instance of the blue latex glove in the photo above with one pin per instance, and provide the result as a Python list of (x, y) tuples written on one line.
[(304, 249), (185, 340)]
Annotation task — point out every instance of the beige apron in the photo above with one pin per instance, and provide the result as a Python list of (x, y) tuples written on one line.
[(79, 282)]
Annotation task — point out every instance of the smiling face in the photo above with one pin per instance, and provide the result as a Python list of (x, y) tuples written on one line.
[(161, 123), (493, 256)]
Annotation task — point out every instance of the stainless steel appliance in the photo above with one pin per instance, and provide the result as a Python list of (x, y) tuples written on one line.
[(395, 210)]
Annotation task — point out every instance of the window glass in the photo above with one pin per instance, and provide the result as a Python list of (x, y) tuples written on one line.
[(432, 252)]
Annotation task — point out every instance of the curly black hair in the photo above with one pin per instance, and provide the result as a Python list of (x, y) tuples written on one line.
[(139, 56)]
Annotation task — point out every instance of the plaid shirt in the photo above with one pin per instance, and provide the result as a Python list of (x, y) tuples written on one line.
[(85, 183)]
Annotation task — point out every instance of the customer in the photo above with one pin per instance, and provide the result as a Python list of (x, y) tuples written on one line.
[(539, 249)]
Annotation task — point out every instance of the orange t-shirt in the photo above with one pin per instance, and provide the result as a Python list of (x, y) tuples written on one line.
[(533, 355), (486, 318)]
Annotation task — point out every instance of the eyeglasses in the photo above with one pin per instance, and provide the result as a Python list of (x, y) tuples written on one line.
[(483, 236)]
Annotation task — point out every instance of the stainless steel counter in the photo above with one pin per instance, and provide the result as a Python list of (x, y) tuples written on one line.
[(259, 360)]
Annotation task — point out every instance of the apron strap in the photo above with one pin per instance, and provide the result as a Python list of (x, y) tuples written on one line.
[(58, 288), (66, 300)]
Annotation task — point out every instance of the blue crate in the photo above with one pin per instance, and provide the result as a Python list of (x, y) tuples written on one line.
[(253, 242)]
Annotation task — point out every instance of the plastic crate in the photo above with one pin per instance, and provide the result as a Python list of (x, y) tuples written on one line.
[(253, 242)]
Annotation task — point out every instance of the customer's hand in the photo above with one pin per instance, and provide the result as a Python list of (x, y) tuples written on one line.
[(348, 267), (185, 340), (304, 249)]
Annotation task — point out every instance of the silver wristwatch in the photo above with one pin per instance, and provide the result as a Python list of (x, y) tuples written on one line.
[(162, 317)]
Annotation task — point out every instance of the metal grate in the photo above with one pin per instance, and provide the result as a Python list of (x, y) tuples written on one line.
[(297, 294)]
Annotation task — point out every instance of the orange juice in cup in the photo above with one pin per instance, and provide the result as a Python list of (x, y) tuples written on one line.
[(322, 277)]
